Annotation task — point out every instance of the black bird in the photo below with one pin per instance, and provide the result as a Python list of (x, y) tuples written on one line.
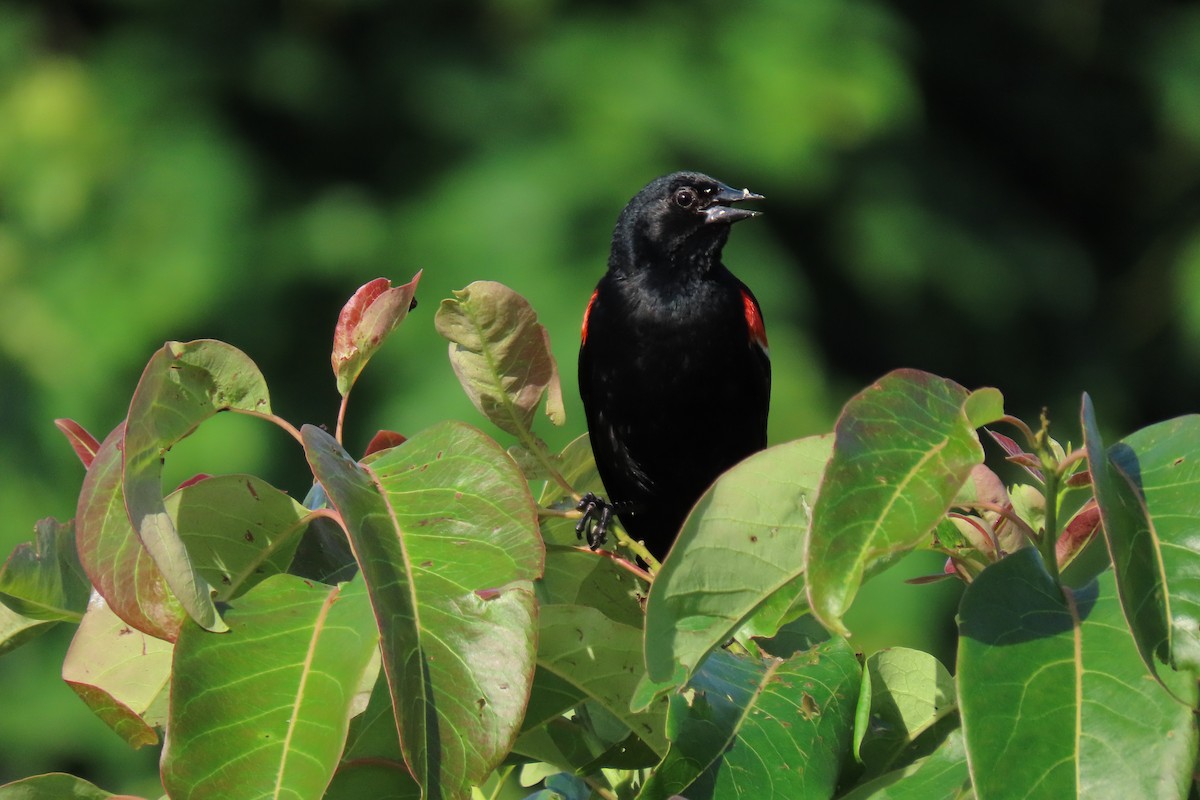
[(673, 366)]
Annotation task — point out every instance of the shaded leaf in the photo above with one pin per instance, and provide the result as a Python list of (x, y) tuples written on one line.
[(941, 775), (368, 317), (43, 579), (1159, 558), (1054, 698), (903, 448), (578, 576), (182, 385), (121, 673), (603, 659), (263, 709), (372, 764), (501, 355), (445, 533), (750, 728), (83, 443), (909, 691), (740, 550), (578, 467)]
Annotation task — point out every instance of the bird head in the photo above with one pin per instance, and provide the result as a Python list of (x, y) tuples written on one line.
[(681, 218)]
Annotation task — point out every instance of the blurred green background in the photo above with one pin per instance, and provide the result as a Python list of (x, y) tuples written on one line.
[(1006, 194)]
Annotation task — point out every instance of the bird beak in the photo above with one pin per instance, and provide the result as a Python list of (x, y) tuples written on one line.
[(721, 209)]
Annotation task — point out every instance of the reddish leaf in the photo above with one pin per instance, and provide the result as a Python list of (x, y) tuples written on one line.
[(82, 442), (112, 555), (1016, 455), (1079, 531), (374, 311), (200, 476), (383, 440)]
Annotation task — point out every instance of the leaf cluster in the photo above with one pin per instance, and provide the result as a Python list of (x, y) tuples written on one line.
[(426, 625)]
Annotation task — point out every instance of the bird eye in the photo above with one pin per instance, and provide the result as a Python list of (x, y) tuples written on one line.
[(685, 198)]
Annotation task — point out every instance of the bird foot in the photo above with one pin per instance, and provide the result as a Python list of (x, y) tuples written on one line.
[(597, 513)]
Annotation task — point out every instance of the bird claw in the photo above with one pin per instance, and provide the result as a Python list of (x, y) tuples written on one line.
[(597, 513)]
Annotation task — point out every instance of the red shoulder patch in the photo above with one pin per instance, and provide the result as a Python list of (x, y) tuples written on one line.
[(754, 321), (587, 314)]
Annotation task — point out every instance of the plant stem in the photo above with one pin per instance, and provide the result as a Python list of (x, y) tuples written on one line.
[(341, 418), (1052, 471), (1049, 540), (280, 421)]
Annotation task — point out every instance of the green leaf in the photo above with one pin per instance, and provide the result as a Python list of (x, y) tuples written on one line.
[(445, 532), (182, 385), (740, 550), (903, 448), (578, 467), (941, 775), (983, 407), (750, 728), (909, 692), (603, 659), (112, 555), (238, 530), (43, 579), (56, 786), (501, 355), (1054, 698), (575, 576), (1133, 545), (16, 630), (1151, 515), (367, 319), (550, 697), (121, 673), (263, 709), (372, 764)]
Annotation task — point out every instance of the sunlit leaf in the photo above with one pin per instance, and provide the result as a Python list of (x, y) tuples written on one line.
[(903, 448), (1054, 698), (368, 317), (263, 709), (83, 443), (238, 530), (182, 385), (56, 786), (983, 407), (445, 533), (16, 630), (740, 551), (43, 579), (501, 355), (121, 673), (116, 561)]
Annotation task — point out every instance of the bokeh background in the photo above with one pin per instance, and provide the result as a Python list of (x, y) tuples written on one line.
[(1006, 194)]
